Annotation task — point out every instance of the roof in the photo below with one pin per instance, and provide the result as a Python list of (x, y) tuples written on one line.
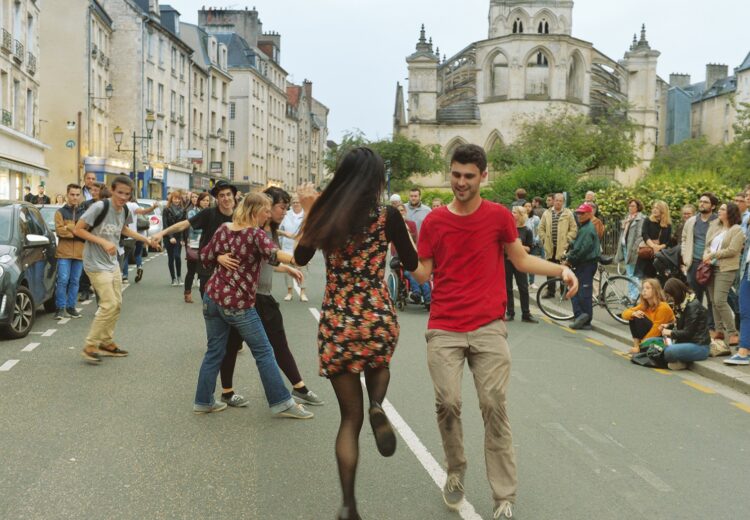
[(98, 9), (293, 94), (745, 64), (240, 54), (720, 88), (197, 39)]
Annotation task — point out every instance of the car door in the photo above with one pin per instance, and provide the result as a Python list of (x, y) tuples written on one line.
[(50, 266), (34, 259)]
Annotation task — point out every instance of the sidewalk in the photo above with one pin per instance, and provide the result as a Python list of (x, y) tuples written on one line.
[(737, 378)]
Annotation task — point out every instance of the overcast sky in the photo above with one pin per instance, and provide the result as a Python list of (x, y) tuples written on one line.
[(354, 50)]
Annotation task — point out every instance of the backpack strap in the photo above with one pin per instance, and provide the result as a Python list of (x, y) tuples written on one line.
[(101, 216)]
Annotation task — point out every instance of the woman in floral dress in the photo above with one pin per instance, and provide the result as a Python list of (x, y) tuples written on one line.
[(358, 325)]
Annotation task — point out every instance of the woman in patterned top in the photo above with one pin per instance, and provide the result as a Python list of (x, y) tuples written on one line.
[(358, 326), (229, 300)]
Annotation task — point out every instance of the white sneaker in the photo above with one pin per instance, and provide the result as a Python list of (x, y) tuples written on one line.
[(677, 365), (288, 298), (303, 298), (534, 287)]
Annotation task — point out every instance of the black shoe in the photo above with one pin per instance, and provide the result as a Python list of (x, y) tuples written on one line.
[(548, 296), (582, 322), (60, 314), (529, 319), (510, 317), (84, 296), (385, 438), (415, 298), (138, 274), (72, 312)]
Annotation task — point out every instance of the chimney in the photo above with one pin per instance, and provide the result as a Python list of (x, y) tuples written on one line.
[(679, 80), (307, 85), (714, 73)]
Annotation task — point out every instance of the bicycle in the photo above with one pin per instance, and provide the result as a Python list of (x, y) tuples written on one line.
[(614, 292), (398, 285)]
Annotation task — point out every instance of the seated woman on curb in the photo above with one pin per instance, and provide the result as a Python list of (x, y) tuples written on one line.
[(690, 338), (650, 313)]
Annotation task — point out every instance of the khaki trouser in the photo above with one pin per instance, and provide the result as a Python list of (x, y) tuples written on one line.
[(718, 296), (108, 287), (486, 350)]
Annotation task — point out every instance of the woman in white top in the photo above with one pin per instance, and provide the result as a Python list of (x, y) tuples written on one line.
[(288, 231), (724, 243)]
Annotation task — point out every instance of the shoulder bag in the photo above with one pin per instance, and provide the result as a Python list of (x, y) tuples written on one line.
[(646, 252), (704, 273)]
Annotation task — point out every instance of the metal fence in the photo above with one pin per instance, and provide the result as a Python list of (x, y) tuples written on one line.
[(611, 233)]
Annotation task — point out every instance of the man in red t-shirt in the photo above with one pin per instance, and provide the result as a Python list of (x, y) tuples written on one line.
[(462, 244)]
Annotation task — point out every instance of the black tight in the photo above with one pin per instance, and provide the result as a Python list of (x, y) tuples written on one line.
[(284, 356), (349, 395), (234, 345)]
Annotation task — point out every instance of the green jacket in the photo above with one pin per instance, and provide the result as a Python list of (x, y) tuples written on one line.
[(586, 248)]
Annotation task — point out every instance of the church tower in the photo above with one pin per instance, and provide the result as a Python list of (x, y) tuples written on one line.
[(530, 17), (423, 81)]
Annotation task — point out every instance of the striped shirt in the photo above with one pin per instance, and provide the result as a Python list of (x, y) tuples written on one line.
[(555, 220)]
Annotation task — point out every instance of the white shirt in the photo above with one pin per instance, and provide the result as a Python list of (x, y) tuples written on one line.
[(716, 242)]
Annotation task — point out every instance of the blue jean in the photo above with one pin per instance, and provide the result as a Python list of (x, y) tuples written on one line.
[(685, 352), (745, 310), (138, 253), (248, 324), (424, 290), (173, 258), (582, 301), (630, 273), (68, 276)]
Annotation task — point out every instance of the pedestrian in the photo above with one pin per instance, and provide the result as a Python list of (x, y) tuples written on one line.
[(687, 211), (464, 244), (742, 357), (520, 199), (287, 232), (739, 199), (436, 203), (208, 221), (358, 328), (69, 254), (630, 236), (40, 199), (28, 196), (137, 246), (229, 302), (646, 318), (688, 339), (538, 209), (724, 244), (583, 257), (693, 244), (590, 199), (419, 293), (89, 178), (172, 214), (557, 230), (192, 247), (526, 236), (101, 226), (395, 200), (192, 201), (60, 199), (415, 210), (656, 233), (532, 223)]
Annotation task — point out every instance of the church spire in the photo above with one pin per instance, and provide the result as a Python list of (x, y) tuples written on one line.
[(643, 42)]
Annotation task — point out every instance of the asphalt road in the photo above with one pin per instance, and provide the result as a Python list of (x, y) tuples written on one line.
[(595, 436)]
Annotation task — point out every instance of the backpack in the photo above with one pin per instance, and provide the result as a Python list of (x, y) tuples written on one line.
[(105, 209)]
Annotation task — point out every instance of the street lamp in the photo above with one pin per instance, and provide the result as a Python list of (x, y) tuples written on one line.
[(109, 90), (118, 134)]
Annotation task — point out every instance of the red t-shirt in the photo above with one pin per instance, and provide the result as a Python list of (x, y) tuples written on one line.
[(468, 265)]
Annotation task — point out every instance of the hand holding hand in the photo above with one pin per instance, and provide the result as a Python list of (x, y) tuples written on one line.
[(227, 261), (155, 244), (296, 274), (172, 240)]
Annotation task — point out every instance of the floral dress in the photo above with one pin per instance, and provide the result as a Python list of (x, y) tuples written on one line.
[(358, 323)]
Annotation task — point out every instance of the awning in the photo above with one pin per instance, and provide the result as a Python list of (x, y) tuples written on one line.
[(28, 169)]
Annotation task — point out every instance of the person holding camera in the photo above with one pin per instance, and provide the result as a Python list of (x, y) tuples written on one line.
[(687, 339)]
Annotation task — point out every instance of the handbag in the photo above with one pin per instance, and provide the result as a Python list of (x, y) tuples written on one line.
[(142, 223), (704, 273), (646, 252), (191, 254)]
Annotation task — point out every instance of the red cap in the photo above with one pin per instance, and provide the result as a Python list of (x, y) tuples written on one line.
[(584, 208)]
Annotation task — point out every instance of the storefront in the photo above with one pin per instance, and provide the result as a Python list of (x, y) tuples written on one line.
[(15, 175), (106, 169), (176, 178)]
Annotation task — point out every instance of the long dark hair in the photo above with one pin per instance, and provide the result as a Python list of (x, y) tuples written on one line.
[(676, 290), (344, 208), (277, 196)]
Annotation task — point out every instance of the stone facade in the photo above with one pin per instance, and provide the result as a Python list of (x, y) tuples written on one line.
[(529, 65), (22, 161)]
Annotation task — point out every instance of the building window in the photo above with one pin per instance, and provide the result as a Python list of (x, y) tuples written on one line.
[(518, 26), (231, 139), (231, 170), (543, 27), (160, 99), (232, 110), (150, 94)]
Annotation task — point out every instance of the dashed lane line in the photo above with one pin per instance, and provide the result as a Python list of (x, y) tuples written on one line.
[(47, 333), (662, 371), (30, 347), (5, 367), (425, 458), (699, 387), (595, 342), (743, 407), (63, 321)]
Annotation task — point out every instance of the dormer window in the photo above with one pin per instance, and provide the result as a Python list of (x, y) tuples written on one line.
[(518, 26), (543, 27)]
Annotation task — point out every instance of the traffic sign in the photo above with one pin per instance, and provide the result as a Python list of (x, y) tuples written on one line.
[(70, 143)]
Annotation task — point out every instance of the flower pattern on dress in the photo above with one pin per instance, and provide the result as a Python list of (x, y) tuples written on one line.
[(358, 323)]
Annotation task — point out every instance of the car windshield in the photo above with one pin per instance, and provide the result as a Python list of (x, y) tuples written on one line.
[(6, 222), (48, 214)]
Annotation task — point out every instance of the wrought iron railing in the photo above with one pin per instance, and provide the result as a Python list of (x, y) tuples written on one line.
[(7, 42), (18, 51), (31, 64), (7, 118)]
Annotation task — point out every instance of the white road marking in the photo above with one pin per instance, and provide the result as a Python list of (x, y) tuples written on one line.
[(5, 367), (125, 287), (652, 479), (30, 347), (63, 321), (296, 286), (86, 302), (47, 333), (433, 468)]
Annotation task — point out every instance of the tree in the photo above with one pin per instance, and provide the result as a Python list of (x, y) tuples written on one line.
[(351, 139), (692, 155)]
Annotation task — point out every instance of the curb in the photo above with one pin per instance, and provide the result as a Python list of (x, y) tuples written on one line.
[(712, 368)]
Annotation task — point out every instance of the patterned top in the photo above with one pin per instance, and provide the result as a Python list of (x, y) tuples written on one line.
[(251, 246)]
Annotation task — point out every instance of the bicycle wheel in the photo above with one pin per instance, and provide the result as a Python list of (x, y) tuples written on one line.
[(392, 284), (619, 294), (558, 307)]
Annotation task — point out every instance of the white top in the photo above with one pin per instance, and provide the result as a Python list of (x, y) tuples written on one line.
[(716, 242), (132, 206)]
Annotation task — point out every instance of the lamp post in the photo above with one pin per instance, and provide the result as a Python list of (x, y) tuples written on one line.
[(118, 135)]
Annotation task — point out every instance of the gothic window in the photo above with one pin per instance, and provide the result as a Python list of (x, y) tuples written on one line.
[(499, 74), (518, 26), (543, 27), (575, 79), (541, 60), (538, 76)]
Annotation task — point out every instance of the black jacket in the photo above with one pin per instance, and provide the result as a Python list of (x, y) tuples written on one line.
[(172, 215), (692, 325)]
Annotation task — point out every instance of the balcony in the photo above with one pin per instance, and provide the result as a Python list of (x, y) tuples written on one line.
[(7, 118), (7, 43), (18, 52), (173, 116), (31, 64)]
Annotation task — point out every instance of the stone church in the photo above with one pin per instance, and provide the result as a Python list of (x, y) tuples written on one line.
[(530, 63)]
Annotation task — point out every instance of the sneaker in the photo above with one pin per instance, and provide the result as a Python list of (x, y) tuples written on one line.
[(216, 407), (125, 279), (548, 296), (138, 274), (510, 317), (415, 298), (738, 360), (303, 298), (534, 287), (73, 313), (91, 356), (677, 365), (112, 351), (236, 401), (60, 314), (529, 319), (174, 282), (503, 510), (309, 398), (453, 491), (296, 411), (179, 280), (288, 297)]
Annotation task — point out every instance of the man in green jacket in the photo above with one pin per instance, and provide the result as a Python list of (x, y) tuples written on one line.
[(583, 257)]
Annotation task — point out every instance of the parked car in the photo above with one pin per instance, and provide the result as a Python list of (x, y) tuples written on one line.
[(48, 214), (153, 218), (28, 268)]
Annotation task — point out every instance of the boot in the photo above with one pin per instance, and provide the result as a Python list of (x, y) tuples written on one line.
[(188, 297)]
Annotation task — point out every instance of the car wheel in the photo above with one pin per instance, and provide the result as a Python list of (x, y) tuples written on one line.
[(24, 313)]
